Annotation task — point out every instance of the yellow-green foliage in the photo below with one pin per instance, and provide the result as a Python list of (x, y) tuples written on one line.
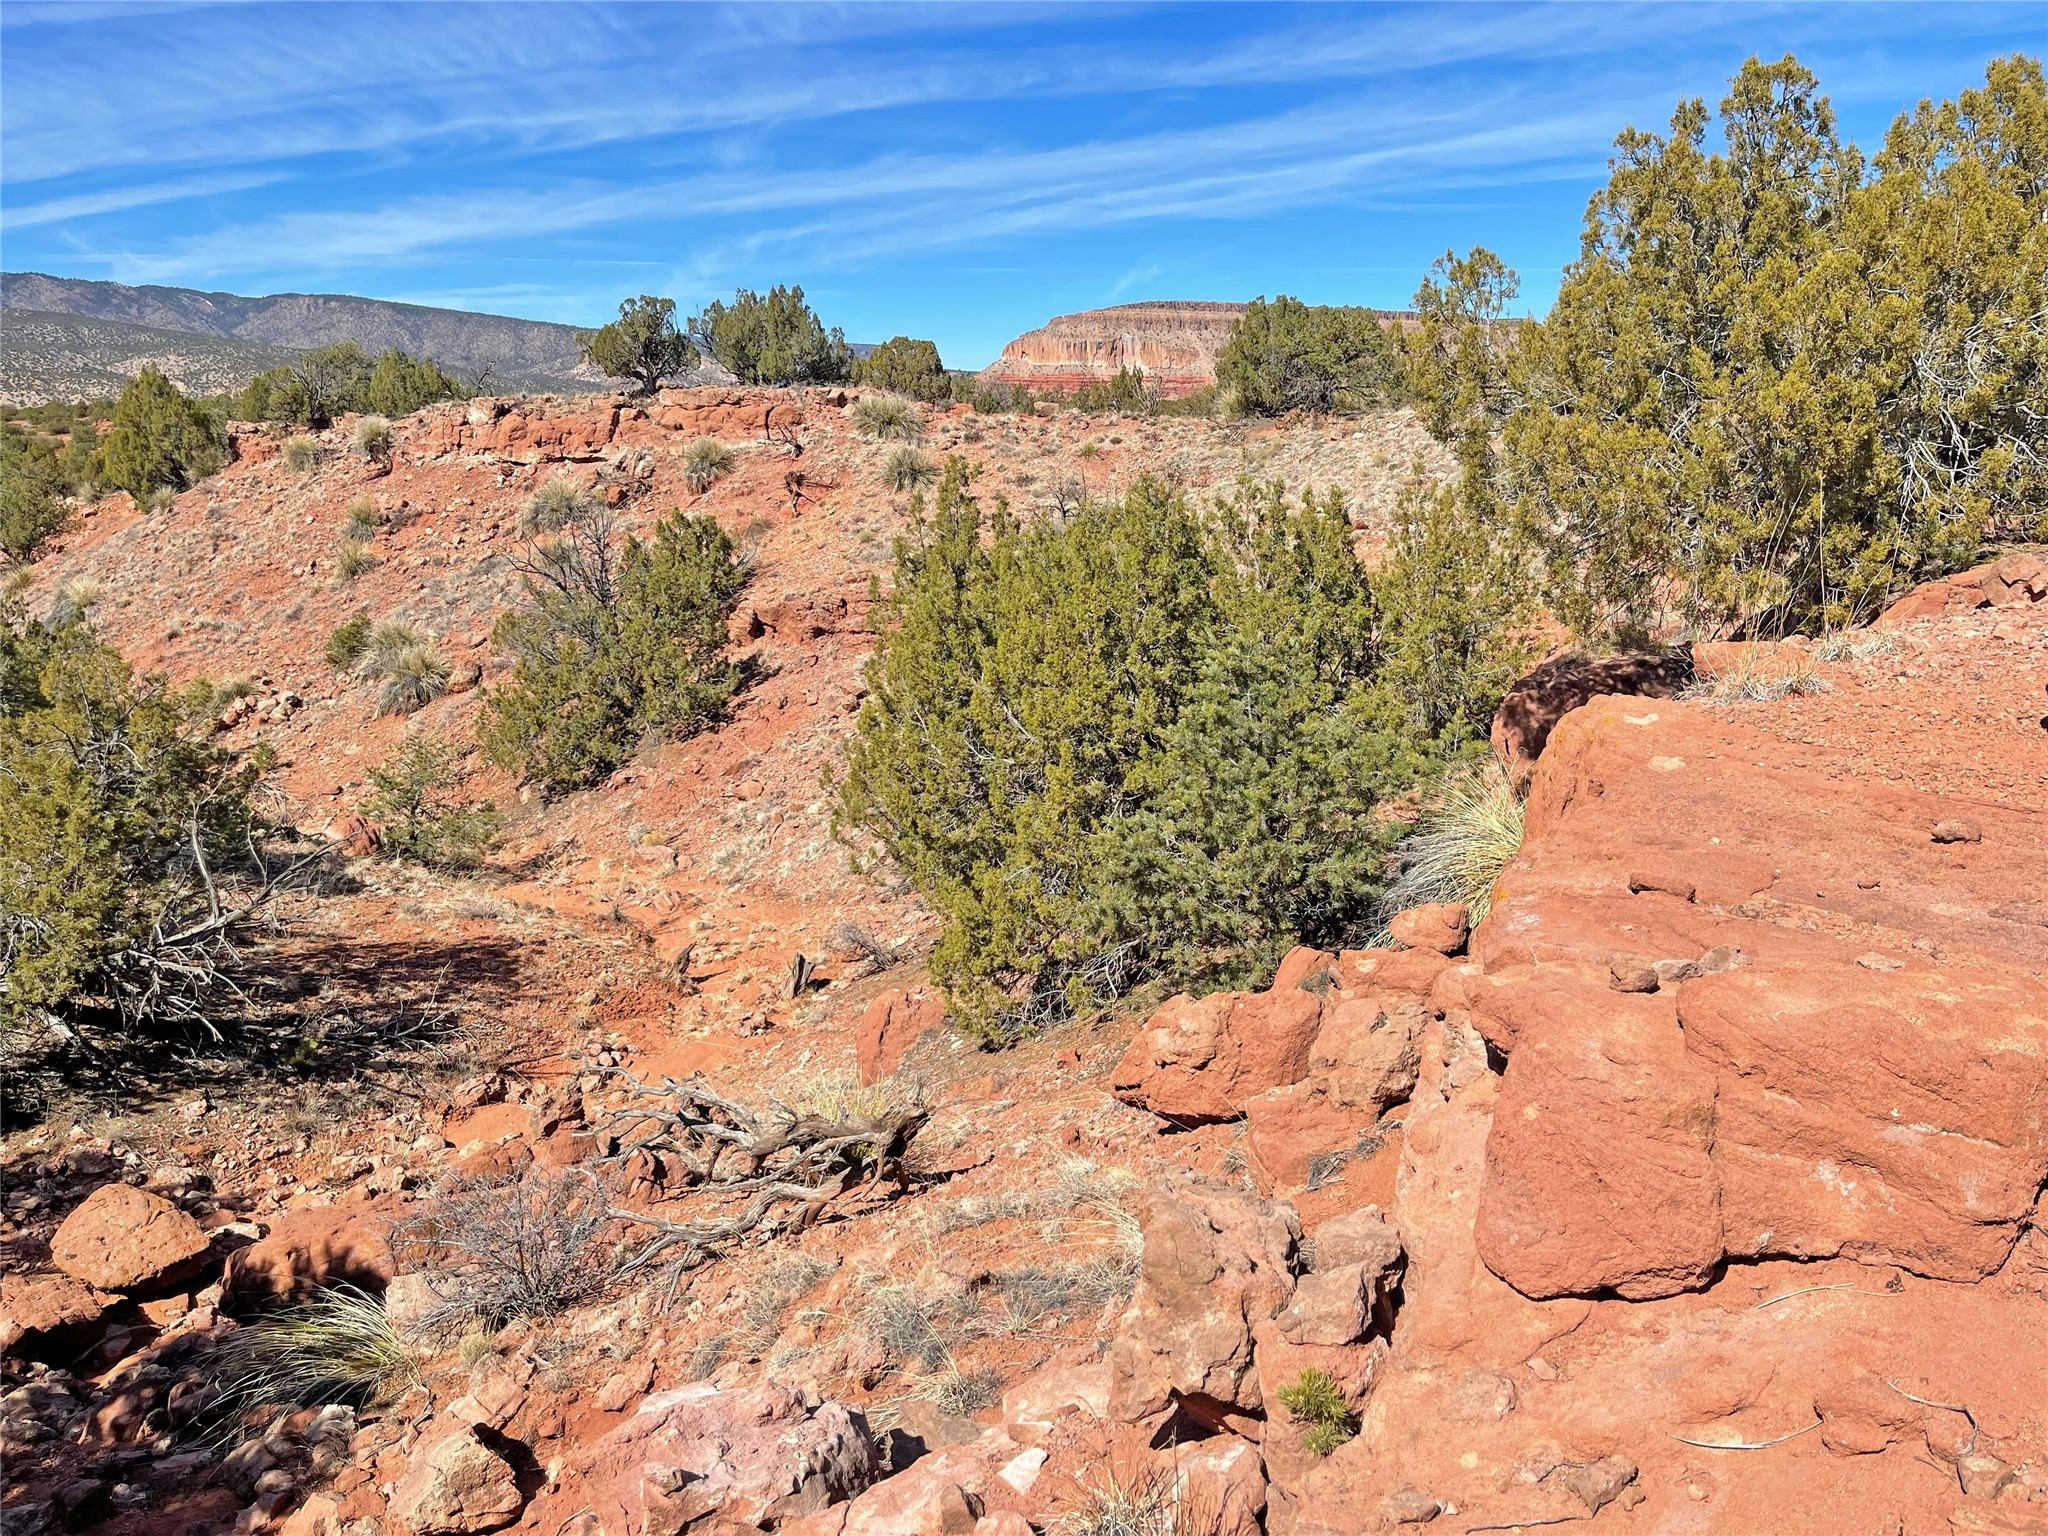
[(906, 469), (1782, 380), (1315, 1402), (1461, 846), (1291, 356), (1138, 741), (160, 440), (888, 416), (419, 808), (707, 462), (615, 640), (338, 1347), (906, 367), (106, 782)]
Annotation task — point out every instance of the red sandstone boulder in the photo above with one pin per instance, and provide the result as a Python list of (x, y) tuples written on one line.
[(458, 1486), (1785, 1087), (893, 1023), (1441, 926), (1289, 1130), (1216, 1263), (1218, 1486), (696, 1456), (2009, 581), (48, 1312), (1365, 1054), (125, 1239), (1202, 1060), (1531, 708), (311, 1249)]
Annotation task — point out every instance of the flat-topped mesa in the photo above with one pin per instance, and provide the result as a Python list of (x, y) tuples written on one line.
[(1173, 343)]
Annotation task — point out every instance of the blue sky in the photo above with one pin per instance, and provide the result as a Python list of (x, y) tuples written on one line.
[(954, 171)]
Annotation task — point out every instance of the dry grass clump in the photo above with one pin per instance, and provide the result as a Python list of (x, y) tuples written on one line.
[(338, 1347), (1762, 675), (960, 1393), (1147, 1502), (559, 502), (1458, 850), (352, 557), (408, 672), (907, 469), (528, 1248), (360, 520), (888, 418), (706, 463), (373, 439), (1855, 645), (771, 1294), (865, 944), (301, 454)]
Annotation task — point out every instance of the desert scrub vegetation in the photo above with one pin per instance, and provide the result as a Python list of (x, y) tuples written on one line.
[(347, 641), (1460, 846), (643, 345), (773, 338), (33, 507), (558, 502), (907, 469), (408, 671), (159, 440), (707, 462), (528, 1247), (1869, 327), (1854, 645), (1315, 1402), (301, 454), (1110, 1501), (905, 365), (1141, 741), (420, 810), (337, 1347), (887, 418), (132, 859), (1290, 356), (359, 522), (615, 641)]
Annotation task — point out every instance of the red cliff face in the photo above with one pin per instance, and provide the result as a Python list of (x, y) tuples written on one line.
[(1173, 344)]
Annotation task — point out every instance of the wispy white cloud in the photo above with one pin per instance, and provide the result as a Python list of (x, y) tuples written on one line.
[(140, 195)]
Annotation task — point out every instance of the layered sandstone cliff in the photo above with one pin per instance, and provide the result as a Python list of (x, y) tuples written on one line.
[(1173, 343)]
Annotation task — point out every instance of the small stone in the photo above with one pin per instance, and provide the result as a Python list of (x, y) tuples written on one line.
[(1631, 973), (1957, 830), (1410, 1506), (1983, 1475), (1481, 1397), (1871, 960), (1599, 1483)]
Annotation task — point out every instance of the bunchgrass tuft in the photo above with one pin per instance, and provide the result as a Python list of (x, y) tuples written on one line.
[(1855, 645), (888, 417), (1458, 850), (360, 521), (1145, 1502), (906, 469), (1762, 674), (407, 670), (373, 439), (707, 462), (338, 1347), (301, 454), (352, 557), (558, 503)]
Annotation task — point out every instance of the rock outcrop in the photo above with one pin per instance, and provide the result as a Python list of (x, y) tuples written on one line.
[(1173, 344), (126, 1239)]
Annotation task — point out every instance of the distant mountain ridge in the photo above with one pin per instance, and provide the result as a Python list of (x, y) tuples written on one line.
[(47, 356), (533, 354)]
